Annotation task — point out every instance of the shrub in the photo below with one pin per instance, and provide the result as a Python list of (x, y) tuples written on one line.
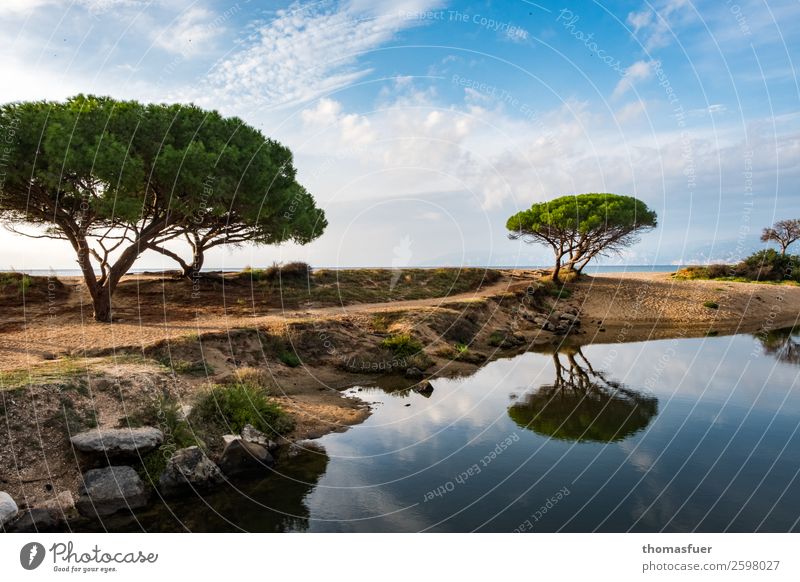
[(711, 304), (294, 271), (228, 408), (291, 359), (402, 345), (496, 338), (16, 282), (768, 265)]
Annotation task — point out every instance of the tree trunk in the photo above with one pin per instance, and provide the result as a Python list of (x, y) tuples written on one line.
[(556, 271), (101, 304), (192, 271)]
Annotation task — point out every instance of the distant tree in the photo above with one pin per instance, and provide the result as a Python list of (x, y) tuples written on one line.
[(783, 232), (578, 228), (116, 177)]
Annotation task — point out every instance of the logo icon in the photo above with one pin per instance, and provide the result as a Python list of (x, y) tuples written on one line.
[(31, 555)]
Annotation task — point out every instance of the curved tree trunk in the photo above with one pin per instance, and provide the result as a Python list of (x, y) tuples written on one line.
[(192, 271)]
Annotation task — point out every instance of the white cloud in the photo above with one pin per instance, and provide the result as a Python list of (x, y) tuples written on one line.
[(630, 112), (190, 33), (655, 29), (638, 71), (309, 50)]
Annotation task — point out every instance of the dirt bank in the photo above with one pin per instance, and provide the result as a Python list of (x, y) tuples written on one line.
[(62, 373)]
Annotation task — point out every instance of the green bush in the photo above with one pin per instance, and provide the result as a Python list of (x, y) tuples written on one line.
[(769, 265), (294, 271), (229, 407), (402, 345), (711, 304), (496, 338), (291, 359)]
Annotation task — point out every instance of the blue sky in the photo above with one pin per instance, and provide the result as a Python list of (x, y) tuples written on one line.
[(421, 125)]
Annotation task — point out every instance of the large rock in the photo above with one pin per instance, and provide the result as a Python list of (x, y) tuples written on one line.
[(241, 456), (252, 435), (189, 469), (110, 489), (8, 508), (118, 442)]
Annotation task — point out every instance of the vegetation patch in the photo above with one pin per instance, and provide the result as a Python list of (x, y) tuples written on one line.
[(765, 266), (227, 408), (711, 304), (402, 345)]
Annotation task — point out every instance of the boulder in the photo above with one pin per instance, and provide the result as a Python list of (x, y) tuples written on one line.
[(110, 489), (8, 508), (34, 520), (413, 372), (229, 438), (118, 442), (425, 389), (569, 317), (253, 435), (241, 456), (189, 468)]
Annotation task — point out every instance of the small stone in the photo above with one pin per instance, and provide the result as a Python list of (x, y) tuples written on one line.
[(8, 508), (110, 489), (425, 389), (61, 506), (413, 373), (242, 456)]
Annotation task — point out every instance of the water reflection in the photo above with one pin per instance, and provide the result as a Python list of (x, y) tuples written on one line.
[(782, 344), (583, 404)]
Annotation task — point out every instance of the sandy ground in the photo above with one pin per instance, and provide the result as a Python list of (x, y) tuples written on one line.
[(643, 305)]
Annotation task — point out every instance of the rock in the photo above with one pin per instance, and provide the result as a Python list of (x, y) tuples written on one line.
[(34, 520), (241, 456), (117, 442), (569, 317), (253, 435), (425, 389), (8, 508), (62, 506), (413, 373), (229, 438), (183, 411), (110, 489), (189, 468)]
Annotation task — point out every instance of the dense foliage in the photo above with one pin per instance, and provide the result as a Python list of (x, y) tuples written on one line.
[(581, 227), (115, 178), (764, 265)]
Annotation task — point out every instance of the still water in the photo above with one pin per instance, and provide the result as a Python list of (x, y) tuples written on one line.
[(674, 435)]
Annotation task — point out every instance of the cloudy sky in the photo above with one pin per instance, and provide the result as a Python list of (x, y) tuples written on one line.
[(421, 125)]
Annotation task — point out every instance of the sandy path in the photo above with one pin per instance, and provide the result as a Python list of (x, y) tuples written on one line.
[(31, 338)]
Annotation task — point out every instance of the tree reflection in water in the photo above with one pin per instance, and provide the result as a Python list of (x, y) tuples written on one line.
[(782, 344), (583, 404)]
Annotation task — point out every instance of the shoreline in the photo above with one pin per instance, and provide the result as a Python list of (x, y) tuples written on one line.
[(343, 346)]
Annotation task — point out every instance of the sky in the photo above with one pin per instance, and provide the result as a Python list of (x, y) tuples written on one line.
[(421, 125)]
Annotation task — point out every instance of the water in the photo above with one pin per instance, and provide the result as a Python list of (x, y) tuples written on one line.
[(675, 435)]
